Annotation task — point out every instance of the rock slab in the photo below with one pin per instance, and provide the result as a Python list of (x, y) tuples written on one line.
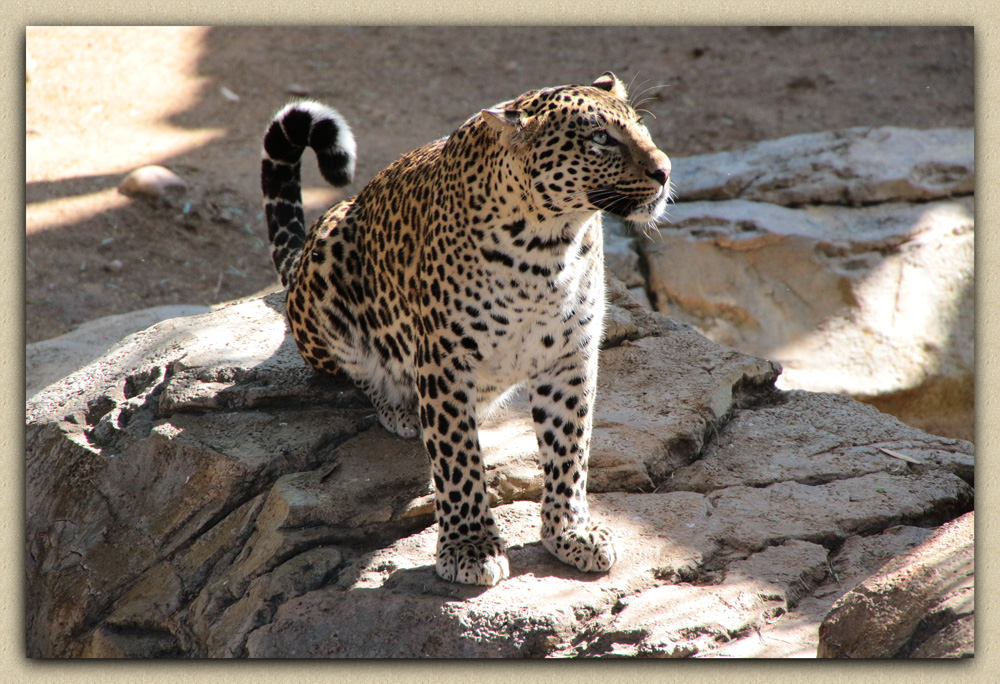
[(851, 166), (199, 492)]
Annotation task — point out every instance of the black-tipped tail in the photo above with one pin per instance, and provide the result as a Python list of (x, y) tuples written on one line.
[(297, 126)]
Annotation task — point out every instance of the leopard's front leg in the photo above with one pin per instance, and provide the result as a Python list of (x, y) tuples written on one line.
[(469, 547), (562, 408)]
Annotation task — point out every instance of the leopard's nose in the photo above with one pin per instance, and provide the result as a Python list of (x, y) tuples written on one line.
[(661, 173), (660, 176)]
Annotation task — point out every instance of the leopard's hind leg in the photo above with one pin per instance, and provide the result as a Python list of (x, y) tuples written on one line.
[(393, 395)]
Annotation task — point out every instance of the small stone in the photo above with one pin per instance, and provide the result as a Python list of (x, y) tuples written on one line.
[(114, 266), (152, 181), (801, 83), (297, 89), (229, 94)]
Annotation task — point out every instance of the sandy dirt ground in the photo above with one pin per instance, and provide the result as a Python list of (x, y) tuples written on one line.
[(103, 101)]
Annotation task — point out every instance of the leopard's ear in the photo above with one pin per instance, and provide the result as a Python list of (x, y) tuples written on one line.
[(503, 120), (608, 81)]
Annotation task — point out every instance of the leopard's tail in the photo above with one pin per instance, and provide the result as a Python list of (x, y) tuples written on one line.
[(299, 125)]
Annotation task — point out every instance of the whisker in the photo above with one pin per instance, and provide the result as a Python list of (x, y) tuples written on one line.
[(637, 97), (632, 82), (638, 101)]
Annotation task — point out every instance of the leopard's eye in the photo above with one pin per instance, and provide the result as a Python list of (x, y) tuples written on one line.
[(602, 138)]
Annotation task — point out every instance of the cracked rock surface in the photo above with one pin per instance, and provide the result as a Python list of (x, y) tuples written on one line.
[(199, 492)]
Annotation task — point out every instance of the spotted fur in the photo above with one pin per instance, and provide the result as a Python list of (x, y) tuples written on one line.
[(471, 266)]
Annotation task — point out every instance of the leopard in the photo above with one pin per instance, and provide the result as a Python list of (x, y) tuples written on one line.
[(468, 269)]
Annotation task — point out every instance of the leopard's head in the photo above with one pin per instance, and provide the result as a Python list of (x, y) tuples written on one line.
[(584, 148)]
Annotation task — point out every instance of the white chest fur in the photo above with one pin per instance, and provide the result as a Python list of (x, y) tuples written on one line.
[(549, 303)]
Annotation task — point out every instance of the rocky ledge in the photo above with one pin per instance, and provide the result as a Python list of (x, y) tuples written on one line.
[(199, 492)]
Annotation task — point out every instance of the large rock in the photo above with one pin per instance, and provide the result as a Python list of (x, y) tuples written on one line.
[(199, 491), (919, 605), (876, 299), (851, 166)]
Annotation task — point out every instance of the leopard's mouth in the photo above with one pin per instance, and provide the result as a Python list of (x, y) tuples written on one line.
[(613, 202), (629, 208)]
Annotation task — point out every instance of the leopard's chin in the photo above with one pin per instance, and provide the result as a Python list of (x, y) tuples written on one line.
[(649, 212)]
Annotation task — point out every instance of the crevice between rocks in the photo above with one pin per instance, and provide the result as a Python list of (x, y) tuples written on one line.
[(857, 204), (749, 393), (272, 603)]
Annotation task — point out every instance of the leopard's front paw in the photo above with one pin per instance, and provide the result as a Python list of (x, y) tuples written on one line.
[(473, 561), (590, 547)]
